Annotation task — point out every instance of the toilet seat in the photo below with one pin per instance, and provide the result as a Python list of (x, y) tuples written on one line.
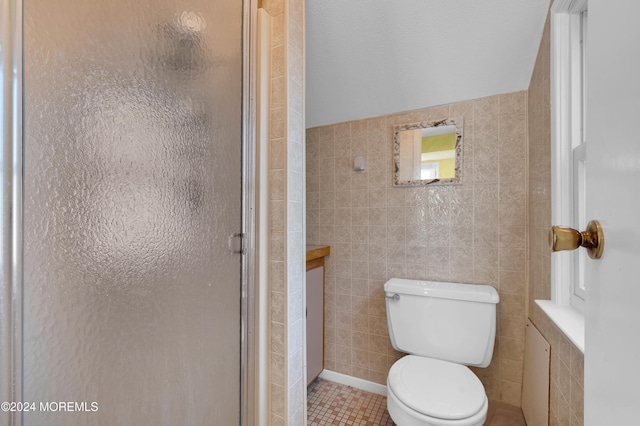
[(437, 389)]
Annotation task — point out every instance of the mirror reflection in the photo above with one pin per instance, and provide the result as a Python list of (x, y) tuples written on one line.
[(428, 152)]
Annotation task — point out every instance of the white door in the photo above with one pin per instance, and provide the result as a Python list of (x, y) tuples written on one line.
[(612, 358)]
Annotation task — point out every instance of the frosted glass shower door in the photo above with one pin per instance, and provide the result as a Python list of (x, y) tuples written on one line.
[(132, 185)]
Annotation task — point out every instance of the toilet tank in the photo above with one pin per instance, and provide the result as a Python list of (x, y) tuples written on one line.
[(447, 321)]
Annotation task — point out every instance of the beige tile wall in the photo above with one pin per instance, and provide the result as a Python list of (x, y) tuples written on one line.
[(277, 215), (567, 362), (286, 194), (475, 232), (296, 255)]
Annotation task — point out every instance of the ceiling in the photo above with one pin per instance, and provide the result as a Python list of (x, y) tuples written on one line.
[(366, 58)]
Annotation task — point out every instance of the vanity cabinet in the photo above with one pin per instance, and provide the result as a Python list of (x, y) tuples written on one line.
[(315, 310)]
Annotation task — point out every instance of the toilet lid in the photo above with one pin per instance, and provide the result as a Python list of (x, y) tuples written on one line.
[(436, 388)]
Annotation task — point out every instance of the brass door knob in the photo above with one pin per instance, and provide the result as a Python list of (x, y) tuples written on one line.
[(561, 238)]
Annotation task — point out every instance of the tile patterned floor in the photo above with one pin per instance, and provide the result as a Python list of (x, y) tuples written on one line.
[(330, 403), (502, 414)]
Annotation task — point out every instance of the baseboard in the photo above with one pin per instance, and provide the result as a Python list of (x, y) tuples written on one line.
[(354, 382)]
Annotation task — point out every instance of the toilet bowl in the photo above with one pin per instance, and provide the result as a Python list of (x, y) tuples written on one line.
[(444, 327), (429, 392)]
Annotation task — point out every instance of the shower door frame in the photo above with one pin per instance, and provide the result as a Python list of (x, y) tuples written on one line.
[(11, 42), (11, 211)]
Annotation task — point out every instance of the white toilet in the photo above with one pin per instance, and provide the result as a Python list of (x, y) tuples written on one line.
[(443, 327)]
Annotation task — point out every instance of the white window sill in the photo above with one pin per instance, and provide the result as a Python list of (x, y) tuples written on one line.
[(568, 319)]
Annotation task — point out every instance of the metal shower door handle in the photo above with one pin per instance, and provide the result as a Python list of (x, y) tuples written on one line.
[(235, 243)]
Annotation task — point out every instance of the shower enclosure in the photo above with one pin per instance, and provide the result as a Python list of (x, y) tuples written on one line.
[(125, 179)]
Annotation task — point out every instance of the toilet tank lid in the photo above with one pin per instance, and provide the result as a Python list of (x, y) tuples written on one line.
[(442, 290)]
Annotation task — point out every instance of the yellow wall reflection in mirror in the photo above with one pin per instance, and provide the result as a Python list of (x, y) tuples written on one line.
[(438, 157)]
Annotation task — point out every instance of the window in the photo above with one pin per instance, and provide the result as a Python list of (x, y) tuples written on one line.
[(569, 143), (568, 165), (430, 170), (579, 151)]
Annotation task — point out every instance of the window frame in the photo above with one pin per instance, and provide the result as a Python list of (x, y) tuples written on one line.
[(567, 124)]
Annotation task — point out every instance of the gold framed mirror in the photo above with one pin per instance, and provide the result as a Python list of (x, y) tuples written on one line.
[(428, 152)]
